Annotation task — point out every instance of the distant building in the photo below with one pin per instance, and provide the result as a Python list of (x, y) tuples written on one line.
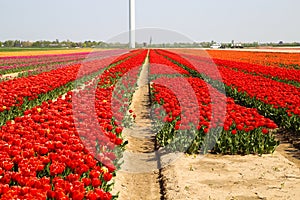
[(236, 45), (53, 45), (216, 46)]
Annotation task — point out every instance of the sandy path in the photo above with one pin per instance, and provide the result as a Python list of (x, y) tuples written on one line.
[(13, 75), (232, 177), (10, 76), (139, 176)]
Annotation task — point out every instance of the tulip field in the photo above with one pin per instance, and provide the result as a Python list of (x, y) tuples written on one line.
[(62, 115)]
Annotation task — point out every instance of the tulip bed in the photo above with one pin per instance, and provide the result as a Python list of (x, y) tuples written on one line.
[(57, 150), (61, 129), (30, 64), (215, 122), (290, 76), (20, 94), (278, 59), (273, 99), (272, 59), (29, 67), (276, 73)]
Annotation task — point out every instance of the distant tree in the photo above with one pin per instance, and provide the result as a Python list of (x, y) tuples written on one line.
[(9, 43), (88, 43), (17, 43), (68, 43), (36, 44), (94, 43), (255, 44), (73, 44), (45, 43), (205, 44), (101, 44), (80, 44), (1, 43)]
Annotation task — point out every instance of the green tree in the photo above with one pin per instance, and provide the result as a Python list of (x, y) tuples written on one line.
[(88, 43), (36, 44), (17, 43), (73, 44), (9, 43)]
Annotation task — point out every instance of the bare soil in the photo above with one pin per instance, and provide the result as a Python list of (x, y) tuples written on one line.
[(232, 177), (10, 76), (275, 176), (139, 175)]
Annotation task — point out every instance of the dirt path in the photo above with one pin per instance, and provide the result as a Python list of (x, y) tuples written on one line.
[(10, 76), (219, 177), (13, 75), (139, 176), (232, 177), (212, 177)]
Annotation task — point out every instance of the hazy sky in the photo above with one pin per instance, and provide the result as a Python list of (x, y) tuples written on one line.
[(199, 20)]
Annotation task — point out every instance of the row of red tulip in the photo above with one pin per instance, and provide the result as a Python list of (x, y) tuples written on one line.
[(264, 71), (213, 109), (287, 60), (158, 65), (30, 68), (13, 92), (269, 91), (270, 96), (58, 150)]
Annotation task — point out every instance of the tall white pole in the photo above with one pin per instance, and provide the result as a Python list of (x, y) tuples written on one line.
[(132, 24)]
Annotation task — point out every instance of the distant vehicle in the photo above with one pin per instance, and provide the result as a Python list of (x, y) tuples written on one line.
[(237, 45), (216, 46)]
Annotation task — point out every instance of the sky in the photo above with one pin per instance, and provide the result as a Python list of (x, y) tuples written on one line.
[(195, 20)]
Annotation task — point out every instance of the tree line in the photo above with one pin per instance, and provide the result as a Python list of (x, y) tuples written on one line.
[(100, 44), (51, 44)]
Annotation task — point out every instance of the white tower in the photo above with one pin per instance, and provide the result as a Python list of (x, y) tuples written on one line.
[(132, 24)]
